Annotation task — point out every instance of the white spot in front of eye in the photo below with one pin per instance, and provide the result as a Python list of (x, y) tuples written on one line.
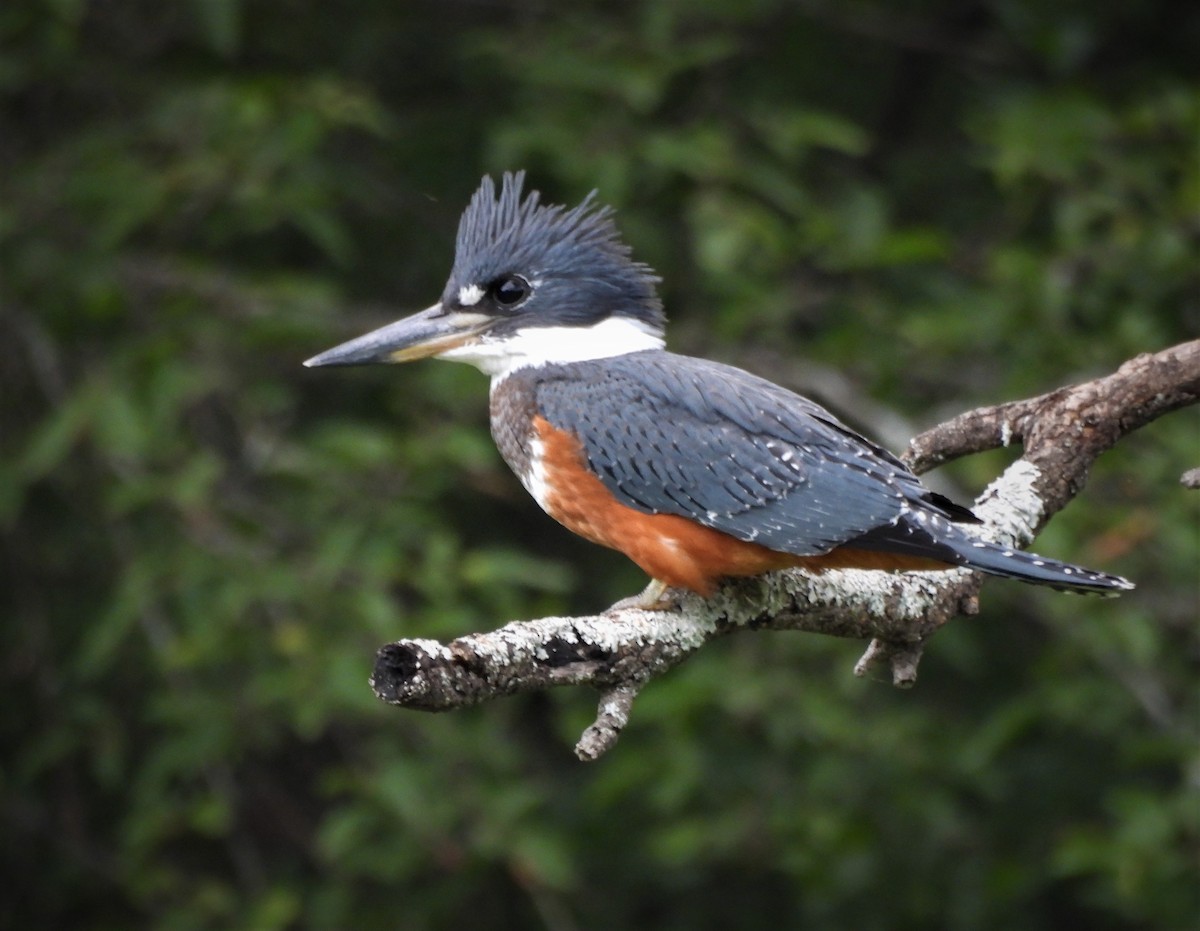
[(469, 295)]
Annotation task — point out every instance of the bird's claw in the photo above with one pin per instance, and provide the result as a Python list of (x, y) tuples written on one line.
[(656, 596)]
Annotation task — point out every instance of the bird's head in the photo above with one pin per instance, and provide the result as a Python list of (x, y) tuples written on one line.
[(531, 284)]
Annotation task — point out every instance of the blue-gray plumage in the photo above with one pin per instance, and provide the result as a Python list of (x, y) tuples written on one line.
[(694, 469), (678, 435), (671, 434)]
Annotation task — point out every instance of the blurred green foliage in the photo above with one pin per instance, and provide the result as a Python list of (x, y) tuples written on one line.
[(203, 544)]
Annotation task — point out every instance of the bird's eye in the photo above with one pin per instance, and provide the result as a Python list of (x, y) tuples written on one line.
[(510, 291)]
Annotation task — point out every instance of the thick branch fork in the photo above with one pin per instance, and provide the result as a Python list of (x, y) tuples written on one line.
[(619, 651)]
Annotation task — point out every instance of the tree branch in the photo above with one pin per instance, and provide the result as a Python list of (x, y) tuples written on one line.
[(622, 649)]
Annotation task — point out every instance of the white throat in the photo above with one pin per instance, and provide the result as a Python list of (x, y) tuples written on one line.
[(548, 345)]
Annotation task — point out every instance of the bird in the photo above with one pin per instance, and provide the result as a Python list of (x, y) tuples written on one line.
[(696, 470)]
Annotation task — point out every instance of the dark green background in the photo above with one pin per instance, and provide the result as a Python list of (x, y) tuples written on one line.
[(907, 209)]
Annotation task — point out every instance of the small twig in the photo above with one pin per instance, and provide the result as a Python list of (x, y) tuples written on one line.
[(612, 715), (901, 658)]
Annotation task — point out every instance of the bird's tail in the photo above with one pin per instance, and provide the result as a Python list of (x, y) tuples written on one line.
[(932, 536), (1030, 567)]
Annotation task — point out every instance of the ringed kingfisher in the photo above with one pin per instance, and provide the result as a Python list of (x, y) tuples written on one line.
[(695, 470)]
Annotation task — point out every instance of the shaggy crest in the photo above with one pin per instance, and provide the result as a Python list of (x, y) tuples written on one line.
[(516, 233)]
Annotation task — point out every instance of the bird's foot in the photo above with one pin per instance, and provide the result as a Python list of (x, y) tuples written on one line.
[(656, 596)]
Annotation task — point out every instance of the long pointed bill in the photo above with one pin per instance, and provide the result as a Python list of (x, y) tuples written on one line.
[(428, 333)]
